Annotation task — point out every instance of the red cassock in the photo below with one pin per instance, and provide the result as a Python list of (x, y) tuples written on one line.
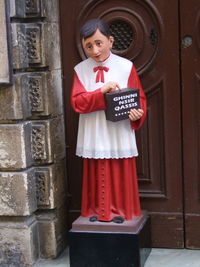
[(110, 186)]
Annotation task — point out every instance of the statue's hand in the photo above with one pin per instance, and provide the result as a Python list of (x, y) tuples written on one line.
[(136, 114), (109, 87)]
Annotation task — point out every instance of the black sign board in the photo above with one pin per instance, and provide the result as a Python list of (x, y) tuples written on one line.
[(120, 102)]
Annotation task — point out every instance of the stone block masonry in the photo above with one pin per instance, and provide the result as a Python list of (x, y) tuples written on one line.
[(18, 242), (33, 193)]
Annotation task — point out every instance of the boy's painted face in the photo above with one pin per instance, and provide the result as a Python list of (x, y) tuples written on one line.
[(98, 46)]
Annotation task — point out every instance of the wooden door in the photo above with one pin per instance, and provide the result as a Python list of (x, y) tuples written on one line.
[(190, 68), (148, 33)]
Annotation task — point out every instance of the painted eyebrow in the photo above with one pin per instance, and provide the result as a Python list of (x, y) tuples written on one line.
[(89, 43)]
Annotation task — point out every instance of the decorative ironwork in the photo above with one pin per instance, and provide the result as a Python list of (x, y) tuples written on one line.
[(123, 35), (187, 41)]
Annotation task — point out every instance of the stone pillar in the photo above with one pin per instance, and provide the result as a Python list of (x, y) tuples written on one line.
[(33, 212)]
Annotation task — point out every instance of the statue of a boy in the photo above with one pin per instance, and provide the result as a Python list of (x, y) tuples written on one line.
[(110, 187)]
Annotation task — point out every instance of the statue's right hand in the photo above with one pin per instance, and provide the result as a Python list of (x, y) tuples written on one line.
[(109, 87)]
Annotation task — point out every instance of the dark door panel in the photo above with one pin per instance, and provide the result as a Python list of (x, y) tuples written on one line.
[(190, 68), (161, 179)]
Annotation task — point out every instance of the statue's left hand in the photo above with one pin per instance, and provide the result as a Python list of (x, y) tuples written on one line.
[(136, 114)]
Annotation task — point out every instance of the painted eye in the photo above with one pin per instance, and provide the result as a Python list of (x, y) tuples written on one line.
[(98, 43), (88, 47)]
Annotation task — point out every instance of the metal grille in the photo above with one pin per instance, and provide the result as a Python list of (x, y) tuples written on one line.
[(123, 34)]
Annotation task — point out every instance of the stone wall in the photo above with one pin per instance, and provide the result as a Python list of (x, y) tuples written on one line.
[(33, 210)]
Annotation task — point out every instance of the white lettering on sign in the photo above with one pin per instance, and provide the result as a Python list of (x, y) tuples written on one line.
[(130, 105), (118, 98)]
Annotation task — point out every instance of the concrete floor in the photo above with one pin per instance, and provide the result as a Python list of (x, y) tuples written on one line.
[(157, 258)]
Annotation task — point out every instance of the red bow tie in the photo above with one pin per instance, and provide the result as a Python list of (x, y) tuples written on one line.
[(100, 73)]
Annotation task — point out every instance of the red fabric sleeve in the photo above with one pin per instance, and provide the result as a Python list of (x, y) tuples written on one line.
[(83, 101), (134, 82)]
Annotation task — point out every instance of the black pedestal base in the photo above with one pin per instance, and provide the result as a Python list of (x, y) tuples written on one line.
[(109, 244)]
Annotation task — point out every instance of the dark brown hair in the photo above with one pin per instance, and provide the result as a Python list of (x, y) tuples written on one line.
[(90, 27)]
